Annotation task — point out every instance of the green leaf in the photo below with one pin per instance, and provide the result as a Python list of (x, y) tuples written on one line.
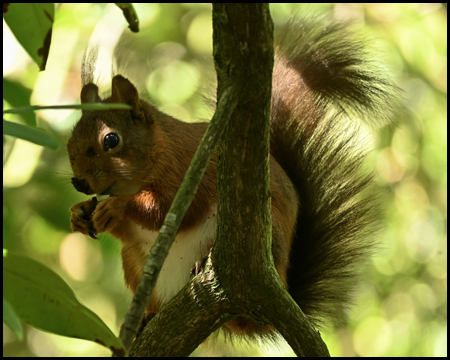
[(18, 95), (11, 319), (31, 24), (90, 106), (42, 299), (31, 134), (40, 137)]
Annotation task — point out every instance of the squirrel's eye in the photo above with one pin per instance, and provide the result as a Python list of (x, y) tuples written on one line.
[(110, 141)]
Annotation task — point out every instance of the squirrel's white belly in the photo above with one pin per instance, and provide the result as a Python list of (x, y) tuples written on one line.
[(189, 246)]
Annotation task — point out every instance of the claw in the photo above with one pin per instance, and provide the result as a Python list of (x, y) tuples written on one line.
[(198, 266), (91, 230), (196, 269)]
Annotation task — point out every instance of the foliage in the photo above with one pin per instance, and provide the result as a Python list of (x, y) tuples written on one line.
[(42, 299), (402, 295)]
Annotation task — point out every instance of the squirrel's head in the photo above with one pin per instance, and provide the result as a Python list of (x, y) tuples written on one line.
[(108, 149)]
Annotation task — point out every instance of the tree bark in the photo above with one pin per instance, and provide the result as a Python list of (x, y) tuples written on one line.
[(239, 279)]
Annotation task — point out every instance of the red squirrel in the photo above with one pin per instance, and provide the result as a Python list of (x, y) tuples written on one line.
[(322, 220)]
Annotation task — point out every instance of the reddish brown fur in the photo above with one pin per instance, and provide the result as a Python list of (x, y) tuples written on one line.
[(165, 161), (320, 220)]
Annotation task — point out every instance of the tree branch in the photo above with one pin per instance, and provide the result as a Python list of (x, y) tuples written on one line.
[(187, 320), (172, 222), (241, 257)]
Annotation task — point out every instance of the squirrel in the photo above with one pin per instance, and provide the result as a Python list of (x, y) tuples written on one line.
[(323, 219)]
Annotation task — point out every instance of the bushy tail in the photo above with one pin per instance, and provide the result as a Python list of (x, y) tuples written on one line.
[(323, 79)]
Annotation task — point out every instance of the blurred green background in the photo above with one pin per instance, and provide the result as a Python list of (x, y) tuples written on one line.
[(401, 302)]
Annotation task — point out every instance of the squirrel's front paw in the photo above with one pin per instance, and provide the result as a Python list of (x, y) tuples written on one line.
[(108, 214), (80, 220)]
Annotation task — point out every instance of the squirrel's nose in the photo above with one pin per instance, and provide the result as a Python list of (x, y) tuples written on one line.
[(82, 186)]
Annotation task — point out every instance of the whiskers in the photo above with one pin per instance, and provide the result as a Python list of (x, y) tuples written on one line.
[(132, 173), (60, 175)]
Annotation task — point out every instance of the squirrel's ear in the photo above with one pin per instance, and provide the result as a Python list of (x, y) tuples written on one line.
[(123, 92), (89, 94)]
